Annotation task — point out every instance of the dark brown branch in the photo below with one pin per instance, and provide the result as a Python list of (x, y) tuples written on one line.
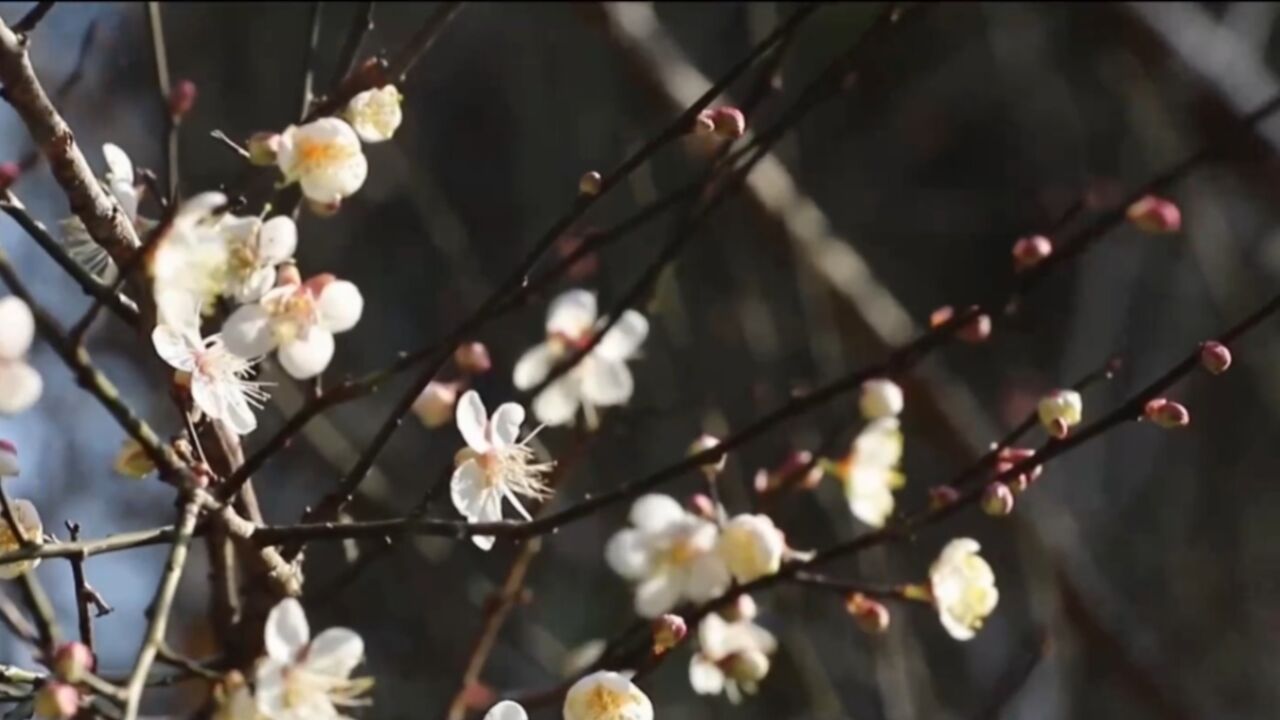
[(309, 57), (164, 86), (33, 17)]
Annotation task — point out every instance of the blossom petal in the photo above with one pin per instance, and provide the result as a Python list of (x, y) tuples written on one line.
[(506, 710), (258, 284), (277, 240), (473, 420), (309, 355), (572, 313), (625, 337), (558, 403), (490, 511), (335, 652), (657, 594), (628, 553), (467, 489), (534, 366), (705, 677), (707, 578), (515, 502), (239, 414), (286, 632), (247, 332), (504, 428), (20, 387), (606, 382), (119, 166), (340, 306), (174, 347), (17, 328), (654, 512)]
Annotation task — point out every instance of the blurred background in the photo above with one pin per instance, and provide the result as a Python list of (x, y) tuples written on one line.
[(1140, 579)]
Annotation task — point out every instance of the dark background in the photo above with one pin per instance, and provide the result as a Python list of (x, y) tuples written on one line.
[(1139, 580)]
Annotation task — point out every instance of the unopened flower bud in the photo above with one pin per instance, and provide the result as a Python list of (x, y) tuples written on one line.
[(976, 330), (880, 398), (941, 496), (182, 97), (749, 667), (704, 125), (262, 148), (872, 616), (743, 608), (1059, 411), (473, 358), (1167, 413), (729, 122), (703, 506), (57, 700), (1215, 357), (9, 174), (590, 183), (9, 466), (997, 500), (1155, 215), (941, 316), (1030, 251), (668, 631), (704, 443), (132, 461), (434, 407), (72, 660)]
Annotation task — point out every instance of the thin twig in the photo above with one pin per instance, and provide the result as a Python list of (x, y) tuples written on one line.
[(84, 596), (164, 85), (32, 592), (309, 57), (33, 17), (161, 605)]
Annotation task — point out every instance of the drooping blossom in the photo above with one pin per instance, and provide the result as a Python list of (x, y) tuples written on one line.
[(303, 678), (375, 114), (601, 379), (495, 465), (670, 554), (324, 157), (506, 710), (963, 586), (20, 384), (300, 319), (606, 695), (29, 522), (220, 384), (870, 472), (733, 654), (120, 183), (880, 398), (752, 547)]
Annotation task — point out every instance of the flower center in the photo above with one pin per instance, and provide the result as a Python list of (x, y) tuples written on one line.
[(682, 552), (292, 315), (513, 467), (315, 155), (243, 260), (606, 703)]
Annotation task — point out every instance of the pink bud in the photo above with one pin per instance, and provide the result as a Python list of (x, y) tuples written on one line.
[(9, 466), (727, 122), (1215, 357), (1155, 215), (1167, 414), (743, 608), (941, 316), (434, 407), (872, 616), (57, 700), (997, 500), (703, 506), (668, 631), (9, 174), (590, 183), (941, 496), (473, 358), (182, 97), (976, 330), (72, 660), (1030, 251)]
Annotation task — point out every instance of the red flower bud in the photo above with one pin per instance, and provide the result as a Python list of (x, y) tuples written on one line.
[(727, 122), (9, 174), (590, 183), (941, 496), (1029, 251), (997, 499), (668, 631), (1167, 414), (473, 358), (976, 330), (872, 616), (1155, 215), (1215, 357), (182, 97), (72, 660)]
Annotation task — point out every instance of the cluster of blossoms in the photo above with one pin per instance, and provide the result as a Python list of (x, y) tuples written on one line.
[(733, 653), (870, 472)]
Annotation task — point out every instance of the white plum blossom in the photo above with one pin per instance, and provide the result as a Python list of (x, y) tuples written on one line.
[(1060, 410), (189, 265), (870, 473), (324, 157), (9, 466), (495, 465), (963, 586), (670, 554), (29, 521), (733, 655), (298, 318), (254, 250), (119, 181), (20, 384), (752, 547), (606, 695), (305, 679), (220, 386), (601, 379), (506, 710), (375, 114), (880, 398)]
